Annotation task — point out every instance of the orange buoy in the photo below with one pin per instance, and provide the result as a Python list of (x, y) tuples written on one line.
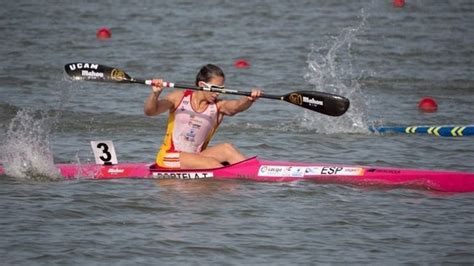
[(241, 63), (428, 104), (398, 3), (103, 33)]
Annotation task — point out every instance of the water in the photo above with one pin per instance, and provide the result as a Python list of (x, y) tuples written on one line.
[(383, 59)]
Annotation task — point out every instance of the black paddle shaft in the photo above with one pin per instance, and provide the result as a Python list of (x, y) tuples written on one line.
[(321, 102)]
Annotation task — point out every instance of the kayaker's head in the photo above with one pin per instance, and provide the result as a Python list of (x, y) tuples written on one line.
[(210, 75), (208, 72)]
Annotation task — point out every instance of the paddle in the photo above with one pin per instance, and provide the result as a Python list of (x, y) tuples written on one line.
[(321, 102)]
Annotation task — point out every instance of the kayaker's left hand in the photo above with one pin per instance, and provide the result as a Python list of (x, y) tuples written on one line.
[(254, 95)]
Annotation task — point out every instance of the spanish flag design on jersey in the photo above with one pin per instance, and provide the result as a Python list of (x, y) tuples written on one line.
[(188, 131)]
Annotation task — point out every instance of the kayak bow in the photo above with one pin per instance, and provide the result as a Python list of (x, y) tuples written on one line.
[(274, 171)]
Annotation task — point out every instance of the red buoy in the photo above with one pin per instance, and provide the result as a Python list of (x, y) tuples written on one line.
[(398, 3), (241, 63), (103, 33), (428, 105)]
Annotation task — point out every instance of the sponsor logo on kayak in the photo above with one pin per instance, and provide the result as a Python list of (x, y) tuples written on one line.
[(388, 171), (182, 175), (83, 66), (281, 171), (312, 101), (115, 171), (334, 170)]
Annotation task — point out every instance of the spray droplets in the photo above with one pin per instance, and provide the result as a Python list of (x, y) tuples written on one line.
[(26, 152), (330, 69)]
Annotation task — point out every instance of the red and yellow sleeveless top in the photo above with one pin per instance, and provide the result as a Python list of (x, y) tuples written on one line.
[(188, 131)]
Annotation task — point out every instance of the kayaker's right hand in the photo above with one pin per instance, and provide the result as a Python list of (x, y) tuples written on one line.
[(157, 85)]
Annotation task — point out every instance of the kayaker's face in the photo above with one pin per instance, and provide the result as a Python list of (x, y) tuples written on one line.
[(212, 96)]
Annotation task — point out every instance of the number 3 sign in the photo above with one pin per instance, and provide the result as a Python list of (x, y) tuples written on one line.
[(104, 152)]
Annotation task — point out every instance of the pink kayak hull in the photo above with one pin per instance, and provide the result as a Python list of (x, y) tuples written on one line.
[(272, 171)]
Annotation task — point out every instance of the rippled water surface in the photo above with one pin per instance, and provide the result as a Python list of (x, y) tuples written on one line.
[(384, 59)]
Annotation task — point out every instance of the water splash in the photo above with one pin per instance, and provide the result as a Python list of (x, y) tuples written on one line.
[(26, 152), (331, 70)]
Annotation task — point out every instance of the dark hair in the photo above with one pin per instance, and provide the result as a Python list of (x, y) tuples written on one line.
[(207, 72)]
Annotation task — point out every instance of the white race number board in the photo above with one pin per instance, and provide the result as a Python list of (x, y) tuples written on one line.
[(104, 152)]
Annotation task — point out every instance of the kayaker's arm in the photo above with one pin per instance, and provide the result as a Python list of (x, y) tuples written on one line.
[(232, 107), (153, 104)]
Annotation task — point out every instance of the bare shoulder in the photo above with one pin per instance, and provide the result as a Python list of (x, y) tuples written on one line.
[(175, 94), (223, 106), (220, 103), (174, 97)]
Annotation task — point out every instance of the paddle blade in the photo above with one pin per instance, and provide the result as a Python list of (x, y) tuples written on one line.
[(321, 102), (96, 72)]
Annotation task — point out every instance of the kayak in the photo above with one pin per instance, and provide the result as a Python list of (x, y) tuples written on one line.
[(440, 131), (255, 169)]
